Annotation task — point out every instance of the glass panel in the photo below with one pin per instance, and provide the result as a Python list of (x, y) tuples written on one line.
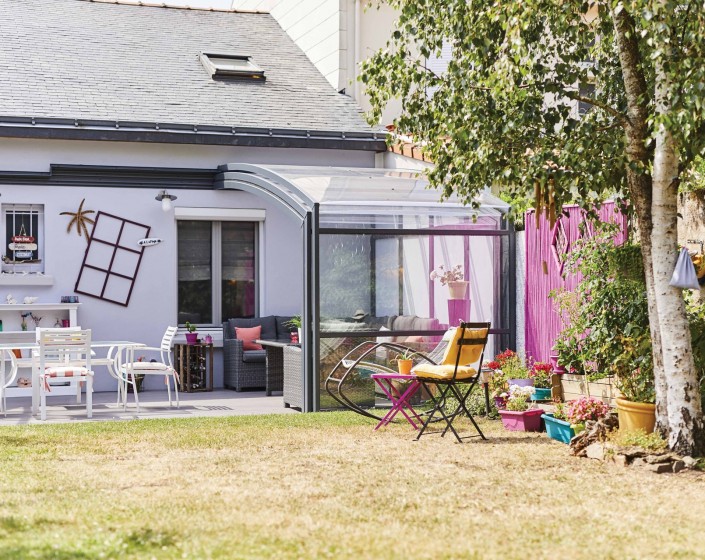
[(348, 187), (238, 273), (378, 287), (195, 271), (232, 64)]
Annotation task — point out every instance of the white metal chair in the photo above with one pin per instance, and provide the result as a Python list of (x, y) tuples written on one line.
[(8, 379), (64, 355), (129, 369)]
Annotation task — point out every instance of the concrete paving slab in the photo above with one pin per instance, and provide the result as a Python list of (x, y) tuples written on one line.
[(153, 404)]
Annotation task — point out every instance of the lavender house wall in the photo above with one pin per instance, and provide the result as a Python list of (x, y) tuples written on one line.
[(153, 305)]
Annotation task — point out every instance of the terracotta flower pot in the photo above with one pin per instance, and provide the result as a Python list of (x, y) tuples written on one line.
[(405, 366), (636, 415), (524, 421)]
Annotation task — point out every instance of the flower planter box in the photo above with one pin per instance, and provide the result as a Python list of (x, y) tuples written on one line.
[(525, 421), (559, 430), (541, 394), (576, 386)]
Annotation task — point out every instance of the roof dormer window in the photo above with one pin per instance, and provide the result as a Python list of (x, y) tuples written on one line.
[(231, 66)]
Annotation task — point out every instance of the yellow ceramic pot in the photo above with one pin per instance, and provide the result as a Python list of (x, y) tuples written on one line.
[(405, 366), (636, 416)]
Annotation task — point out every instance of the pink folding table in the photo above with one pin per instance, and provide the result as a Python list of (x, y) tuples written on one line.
[(400, 400)]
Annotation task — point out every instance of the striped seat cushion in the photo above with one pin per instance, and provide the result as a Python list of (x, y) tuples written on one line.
[(66, 371), (147, 366)]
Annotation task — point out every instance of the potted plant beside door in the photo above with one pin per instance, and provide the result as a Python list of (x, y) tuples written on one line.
[(191, 335)]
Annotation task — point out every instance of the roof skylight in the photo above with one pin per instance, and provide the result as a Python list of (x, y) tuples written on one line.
[(231, 66)]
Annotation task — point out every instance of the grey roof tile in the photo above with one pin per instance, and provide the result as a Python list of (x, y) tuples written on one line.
[(83, 60)]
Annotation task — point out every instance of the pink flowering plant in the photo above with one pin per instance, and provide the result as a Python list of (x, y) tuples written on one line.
[(444, 276), (586, 408)]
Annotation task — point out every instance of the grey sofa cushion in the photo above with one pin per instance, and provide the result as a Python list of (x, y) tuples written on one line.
[(269, 329), (254, 356)]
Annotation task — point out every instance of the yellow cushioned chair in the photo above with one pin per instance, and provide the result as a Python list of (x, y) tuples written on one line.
[(459, 366)]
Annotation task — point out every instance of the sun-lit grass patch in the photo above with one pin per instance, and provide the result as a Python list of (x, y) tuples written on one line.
[(325, 486)]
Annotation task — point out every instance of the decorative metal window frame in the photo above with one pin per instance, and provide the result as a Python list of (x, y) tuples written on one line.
[(109, 270)]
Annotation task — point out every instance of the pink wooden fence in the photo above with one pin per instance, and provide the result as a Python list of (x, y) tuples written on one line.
[(546, 249)]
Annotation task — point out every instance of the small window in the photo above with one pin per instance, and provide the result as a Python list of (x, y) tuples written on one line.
[(24, 238), (231, 66)]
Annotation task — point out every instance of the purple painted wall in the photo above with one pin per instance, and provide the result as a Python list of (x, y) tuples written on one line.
[(545, 249)]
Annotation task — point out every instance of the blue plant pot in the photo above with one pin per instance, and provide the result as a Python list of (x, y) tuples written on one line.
[(541, 394), (559, 430)]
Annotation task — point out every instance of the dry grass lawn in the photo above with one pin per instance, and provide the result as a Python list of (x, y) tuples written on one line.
[(327, 486)]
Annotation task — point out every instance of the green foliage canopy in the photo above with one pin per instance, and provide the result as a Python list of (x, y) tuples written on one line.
[(505, 111)]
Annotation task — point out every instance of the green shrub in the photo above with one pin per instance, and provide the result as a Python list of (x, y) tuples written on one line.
[(639, 438)]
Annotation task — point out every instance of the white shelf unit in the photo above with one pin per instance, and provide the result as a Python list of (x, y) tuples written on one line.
[(10, 314)]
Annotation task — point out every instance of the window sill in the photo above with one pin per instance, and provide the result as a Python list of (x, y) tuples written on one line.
[(19, 279)]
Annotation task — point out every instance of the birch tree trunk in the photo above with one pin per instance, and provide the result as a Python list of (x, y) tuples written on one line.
[(685, 424), (640, 187)]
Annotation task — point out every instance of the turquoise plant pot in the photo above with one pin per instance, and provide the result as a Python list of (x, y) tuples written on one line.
[(541, 394), (559, 430)]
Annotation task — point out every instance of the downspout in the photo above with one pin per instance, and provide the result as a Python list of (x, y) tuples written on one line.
[(355, 69)]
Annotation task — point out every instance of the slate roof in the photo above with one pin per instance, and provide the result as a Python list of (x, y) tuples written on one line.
[(77, 59)]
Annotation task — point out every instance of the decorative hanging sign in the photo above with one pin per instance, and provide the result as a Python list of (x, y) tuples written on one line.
[(22, 239), (22, 246), (149, 242)]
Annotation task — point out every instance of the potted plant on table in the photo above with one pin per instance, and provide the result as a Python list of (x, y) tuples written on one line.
[(191, 335), (518, 416), (405, 361), (541, 375)]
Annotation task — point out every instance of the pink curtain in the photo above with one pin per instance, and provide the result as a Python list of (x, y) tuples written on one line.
[(546, 247)]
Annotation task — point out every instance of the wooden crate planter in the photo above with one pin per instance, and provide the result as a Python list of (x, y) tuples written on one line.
[(576, 386)]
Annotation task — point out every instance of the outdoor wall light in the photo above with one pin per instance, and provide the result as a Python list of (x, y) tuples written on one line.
[(165, 198)]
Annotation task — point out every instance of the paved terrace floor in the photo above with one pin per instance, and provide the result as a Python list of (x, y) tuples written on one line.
[(153, 404)]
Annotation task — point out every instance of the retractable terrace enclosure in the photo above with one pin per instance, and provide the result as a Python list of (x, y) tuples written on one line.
[(371, 238)]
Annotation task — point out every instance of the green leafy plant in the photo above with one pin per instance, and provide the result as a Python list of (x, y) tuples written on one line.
[(190, 327), (406, 354), (638, 438), (294, 322), (559, 411)]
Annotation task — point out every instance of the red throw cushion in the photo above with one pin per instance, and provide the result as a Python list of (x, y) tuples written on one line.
[(248, 337)]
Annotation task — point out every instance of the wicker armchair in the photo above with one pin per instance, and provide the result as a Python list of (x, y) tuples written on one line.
[(247, 369)]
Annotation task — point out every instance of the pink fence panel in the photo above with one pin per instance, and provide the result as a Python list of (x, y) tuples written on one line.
[(546, 251)]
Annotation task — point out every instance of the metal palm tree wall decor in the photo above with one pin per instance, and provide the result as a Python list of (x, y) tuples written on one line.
[(80, 218)]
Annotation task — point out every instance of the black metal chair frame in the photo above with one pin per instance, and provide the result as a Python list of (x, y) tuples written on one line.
[(335, 385), (450, 387)]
